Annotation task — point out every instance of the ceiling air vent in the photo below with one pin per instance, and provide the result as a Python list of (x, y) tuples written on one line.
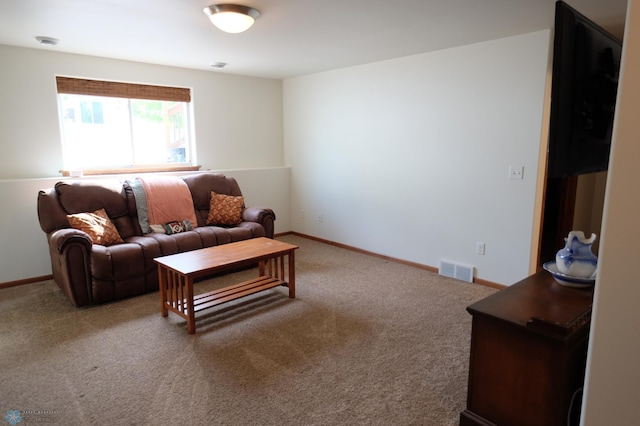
[(456, 271)]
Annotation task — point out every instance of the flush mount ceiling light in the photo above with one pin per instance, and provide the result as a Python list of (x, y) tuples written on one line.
[(231, 18)]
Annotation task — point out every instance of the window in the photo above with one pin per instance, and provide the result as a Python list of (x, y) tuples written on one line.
[(109, 126)]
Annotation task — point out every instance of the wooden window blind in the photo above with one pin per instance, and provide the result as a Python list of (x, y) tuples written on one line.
[(78, 86)]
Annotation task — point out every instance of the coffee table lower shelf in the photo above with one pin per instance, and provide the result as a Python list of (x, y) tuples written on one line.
[(227, 294), (179, 295)]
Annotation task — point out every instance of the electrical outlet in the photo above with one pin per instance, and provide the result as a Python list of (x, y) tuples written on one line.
[(480, 247), (301, 213), (320, 217)]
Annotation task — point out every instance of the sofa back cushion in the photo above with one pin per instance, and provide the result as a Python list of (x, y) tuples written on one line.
[(87, 196), (50, 214), (201, 186)]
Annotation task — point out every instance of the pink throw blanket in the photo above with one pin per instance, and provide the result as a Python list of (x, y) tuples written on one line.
[(168, 200)]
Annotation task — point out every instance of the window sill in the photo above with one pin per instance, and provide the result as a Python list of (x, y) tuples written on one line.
[(129, 170)]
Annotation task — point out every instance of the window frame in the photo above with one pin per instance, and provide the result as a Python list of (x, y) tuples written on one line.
[(90, 87)]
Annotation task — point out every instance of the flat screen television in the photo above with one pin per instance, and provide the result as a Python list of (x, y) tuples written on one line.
[(586, 66)]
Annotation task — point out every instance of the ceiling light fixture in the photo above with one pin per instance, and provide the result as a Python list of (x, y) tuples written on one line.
[(231, 18)]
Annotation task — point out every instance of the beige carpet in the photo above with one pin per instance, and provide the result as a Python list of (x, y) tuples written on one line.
[(366, 342)]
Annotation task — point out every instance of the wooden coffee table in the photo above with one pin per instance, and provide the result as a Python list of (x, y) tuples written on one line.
[(178, 271)]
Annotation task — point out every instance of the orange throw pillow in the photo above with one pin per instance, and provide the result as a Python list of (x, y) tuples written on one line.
[(225, 209), (98, 225)]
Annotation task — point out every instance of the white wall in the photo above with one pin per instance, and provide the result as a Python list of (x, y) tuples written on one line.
[(409, 157), (613, 371), (238, 130)]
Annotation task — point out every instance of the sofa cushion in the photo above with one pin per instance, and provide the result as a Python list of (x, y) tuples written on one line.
[(177, 243), (98, 225), (89, 196), (80, 197), (225, 209), (202, 184)]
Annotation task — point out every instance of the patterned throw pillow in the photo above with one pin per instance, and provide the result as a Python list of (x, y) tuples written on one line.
[(225, 209), (172, 227), (177, 227), (98, 225)]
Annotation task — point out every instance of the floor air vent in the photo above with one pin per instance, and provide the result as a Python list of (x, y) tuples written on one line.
[(456, 270)]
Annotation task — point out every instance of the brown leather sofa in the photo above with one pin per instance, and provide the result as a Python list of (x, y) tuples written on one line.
[(90, 273)]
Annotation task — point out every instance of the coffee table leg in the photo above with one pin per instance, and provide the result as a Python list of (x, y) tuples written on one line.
[(162, 277), (191, 315), (292, 275)]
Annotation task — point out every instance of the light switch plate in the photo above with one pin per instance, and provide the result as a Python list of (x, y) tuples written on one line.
[(516, 172)]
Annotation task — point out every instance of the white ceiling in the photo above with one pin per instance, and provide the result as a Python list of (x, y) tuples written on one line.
[(291, 37)]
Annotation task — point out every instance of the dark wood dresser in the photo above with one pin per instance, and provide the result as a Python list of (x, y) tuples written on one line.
[(528, 354)]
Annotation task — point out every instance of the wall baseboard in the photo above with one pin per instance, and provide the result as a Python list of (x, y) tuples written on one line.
[(25, 281), (489, 283)]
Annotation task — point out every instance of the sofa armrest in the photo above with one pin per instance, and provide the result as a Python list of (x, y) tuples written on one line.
[(70, 251), (61, 239), (261, 215)]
